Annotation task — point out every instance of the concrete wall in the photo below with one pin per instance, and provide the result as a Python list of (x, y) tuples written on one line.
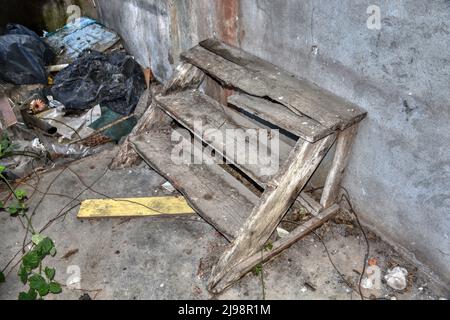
[(40, 15), (399, 174)]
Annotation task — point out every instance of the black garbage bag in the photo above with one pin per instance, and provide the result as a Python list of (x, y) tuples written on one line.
[(112, 80), (49, 54), (23, 56), (22, 60)]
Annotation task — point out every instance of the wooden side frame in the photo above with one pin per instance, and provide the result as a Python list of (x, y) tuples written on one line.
[(344, 145), (278, 246), (275, 201)]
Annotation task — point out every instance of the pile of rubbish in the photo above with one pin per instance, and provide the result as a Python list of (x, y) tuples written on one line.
[(64, 94)]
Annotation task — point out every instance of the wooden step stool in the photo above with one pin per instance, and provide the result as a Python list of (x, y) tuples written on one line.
[(310, 120)]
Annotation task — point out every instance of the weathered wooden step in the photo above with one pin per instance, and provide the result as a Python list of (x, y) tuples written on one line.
[(215, 194), (239, 69), (189, 107), (214, 123), (279, 116)]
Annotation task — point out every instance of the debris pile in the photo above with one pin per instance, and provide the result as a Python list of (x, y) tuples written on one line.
[(114, 80), (64, 95)]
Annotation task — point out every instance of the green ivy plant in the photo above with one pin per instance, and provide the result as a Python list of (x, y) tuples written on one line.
[(31, 271), (40, 279), (6, 147)]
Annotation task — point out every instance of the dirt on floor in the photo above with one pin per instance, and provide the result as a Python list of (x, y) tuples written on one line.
[(171, 258)]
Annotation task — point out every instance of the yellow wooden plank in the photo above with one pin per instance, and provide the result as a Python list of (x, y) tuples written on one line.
[(134, 207)]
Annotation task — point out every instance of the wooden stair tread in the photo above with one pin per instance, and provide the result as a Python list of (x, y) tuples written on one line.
[(190, 106), (215, 194), (280, 116), (239, 69)]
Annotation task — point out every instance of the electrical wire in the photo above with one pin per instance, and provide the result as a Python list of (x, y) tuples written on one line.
[(345, 196)]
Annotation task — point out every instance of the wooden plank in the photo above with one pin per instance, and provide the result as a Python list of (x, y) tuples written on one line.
[(275, 201), (285, 148), (213, 115), (259, 85), (345, 110), (212, 123), (280, 116), (216, 195), (310, 204), (213, 89), (280, 245), (185, 76), (343, 149), (134, 207), (7, 115)]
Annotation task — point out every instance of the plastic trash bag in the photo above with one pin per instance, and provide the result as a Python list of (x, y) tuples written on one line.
[(114, 80), (23, 56), (49, 54)]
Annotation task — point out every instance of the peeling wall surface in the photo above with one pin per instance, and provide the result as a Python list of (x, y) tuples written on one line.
[(399, 173)]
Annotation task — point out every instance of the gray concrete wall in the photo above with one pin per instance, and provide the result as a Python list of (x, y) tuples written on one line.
[(399, 173)]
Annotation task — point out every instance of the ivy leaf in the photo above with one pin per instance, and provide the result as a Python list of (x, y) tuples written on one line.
[(53, 252), (55, 288), (23, 274), (2, 169), (50, 273), (23, 296), (28, 296), (31, 260), (13, 211), (20, 194), (45, 246), (44, 290), (2, 277), (38, 283), (2, 205), (258, 269), (269, 246), (37, 238)]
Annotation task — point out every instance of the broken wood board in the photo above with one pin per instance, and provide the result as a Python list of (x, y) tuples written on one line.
[(348, 112), (279, 116), (216, 195), (259, 85), (212, 123), (213, 117), (7, 115), (134, 207)]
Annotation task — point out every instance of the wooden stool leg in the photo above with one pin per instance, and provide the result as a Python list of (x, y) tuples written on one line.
[(275, 201), (341, 157), (260, 257)]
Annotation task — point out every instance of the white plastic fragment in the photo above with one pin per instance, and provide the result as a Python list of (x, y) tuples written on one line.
[(37, 145), (396, 278), (282, 233), (367, 283), (168, 186)]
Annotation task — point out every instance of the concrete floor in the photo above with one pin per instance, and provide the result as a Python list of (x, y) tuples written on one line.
[(171, 258)]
